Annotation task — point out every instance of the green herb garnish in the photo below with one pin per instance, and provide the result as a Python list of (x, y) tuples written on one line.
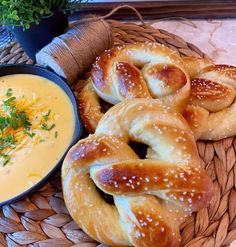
[(3, 123), (44, 120), (7, 141), (9, 92), (9, 101), (12, 120), (44, 126), (29, 133), (45, 117), (5, 157), (8, 106), (24, 120)]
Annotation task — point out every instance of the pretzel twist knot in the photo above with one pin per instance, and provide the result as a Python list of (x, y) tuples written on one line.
[(152, 196), (141, 70), (212, 108)]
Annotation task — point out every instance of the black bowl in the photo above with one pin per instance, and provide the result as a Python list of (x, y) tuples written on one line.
[(36, 70)]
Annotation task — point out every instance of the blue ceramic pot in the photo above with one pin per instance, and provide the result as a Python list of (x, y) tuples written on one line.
[(38, 36)]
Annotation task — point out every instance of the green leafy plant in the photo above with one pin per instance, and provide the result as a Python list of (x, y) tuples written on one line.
[(27, 12)]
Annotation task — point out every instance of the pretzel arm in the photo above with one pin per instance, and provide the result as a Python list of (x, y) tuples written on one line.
[(89, 107), (150, 221), (181, 185)]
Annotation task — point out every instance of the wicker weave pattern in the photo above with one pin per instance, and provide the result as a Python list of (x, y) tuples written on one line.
[(43, 220)]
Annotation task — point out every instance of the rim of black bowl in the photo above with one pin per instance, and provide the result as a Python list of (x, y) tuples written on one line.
[(44, 72)]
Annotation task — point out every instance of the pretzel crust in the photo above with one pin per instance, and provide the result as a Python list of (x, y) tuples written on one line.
[(152, 196), (212, 108), (141, 70)]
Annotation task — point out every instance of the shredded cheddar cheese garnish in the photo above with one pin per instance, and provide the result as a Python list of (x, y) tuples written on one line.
[(20, 119)]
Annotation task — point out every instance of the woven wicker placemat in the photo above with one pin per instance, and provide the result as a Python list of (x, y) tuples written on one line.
[(43, 220)]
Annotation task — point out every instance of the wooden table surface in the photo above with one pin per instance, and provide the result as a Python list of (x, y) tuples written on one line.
[(153, 9)]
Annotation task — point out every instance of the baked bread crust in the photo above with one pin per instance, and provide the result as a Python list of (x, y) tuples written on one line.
[(152, 196), (212, 108), (141, 70)]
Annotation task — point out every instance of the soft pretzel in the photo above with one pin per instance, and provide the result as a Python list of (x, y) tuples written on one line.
[(212, 108), (89, 107), (152, 196), (194, 65), (141, 70)]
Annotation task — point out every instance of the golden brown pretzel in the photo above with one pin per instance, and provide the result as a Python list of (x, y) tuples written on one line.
[(194, 65), (89, 107), (141, 70), (212, 108), (152, 196)]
